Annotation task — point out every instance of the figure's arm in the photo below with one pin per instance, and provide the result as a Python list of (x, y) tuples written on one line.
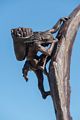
[(25, 69), (58, 24), (44, 50)]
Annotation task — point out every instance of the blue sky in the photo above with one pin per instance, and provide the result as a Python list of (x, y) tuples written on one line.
[(20, 100)]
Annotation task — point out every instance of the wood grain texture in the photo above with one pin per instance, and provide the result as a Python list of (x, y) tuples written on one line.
[(59, 69)]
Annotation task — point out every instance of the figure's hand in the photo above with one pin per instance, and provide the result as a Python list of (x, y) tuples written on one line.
[(24, 72), (25, 77), (64, 19)]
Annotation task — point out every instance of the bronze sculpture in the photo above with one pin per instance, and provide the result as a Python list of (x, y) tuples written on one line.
[(28, 43)]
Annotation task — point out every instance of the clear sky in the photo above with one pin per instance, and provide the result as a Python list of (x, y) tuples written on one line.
[(20, 100)]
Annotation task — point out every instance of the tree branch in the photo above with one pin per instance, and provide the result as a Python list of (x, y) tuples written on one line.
[(59, 69)]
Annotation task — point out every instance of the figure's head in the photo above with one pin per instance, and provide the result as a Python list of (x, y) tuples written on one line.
[(19, 35)]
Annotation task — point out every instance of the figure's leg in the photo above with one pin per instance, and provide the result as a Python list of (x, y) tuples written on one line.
[(43, 57), (42, 64), (25, 70), (39, 75), (42, 61), (33, 64)]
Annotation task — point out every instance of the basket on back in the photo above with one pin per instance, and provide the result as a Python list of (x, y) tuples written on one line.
[(19, 36)]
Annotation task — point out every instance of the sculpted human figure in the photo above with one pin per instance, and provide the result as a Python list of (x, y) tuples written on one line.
[(31, 54), (28, 43), (47, 37)]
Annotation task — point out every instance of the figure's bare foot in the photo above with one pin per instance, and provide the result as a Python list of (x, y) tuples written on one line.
[(45, 94)]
